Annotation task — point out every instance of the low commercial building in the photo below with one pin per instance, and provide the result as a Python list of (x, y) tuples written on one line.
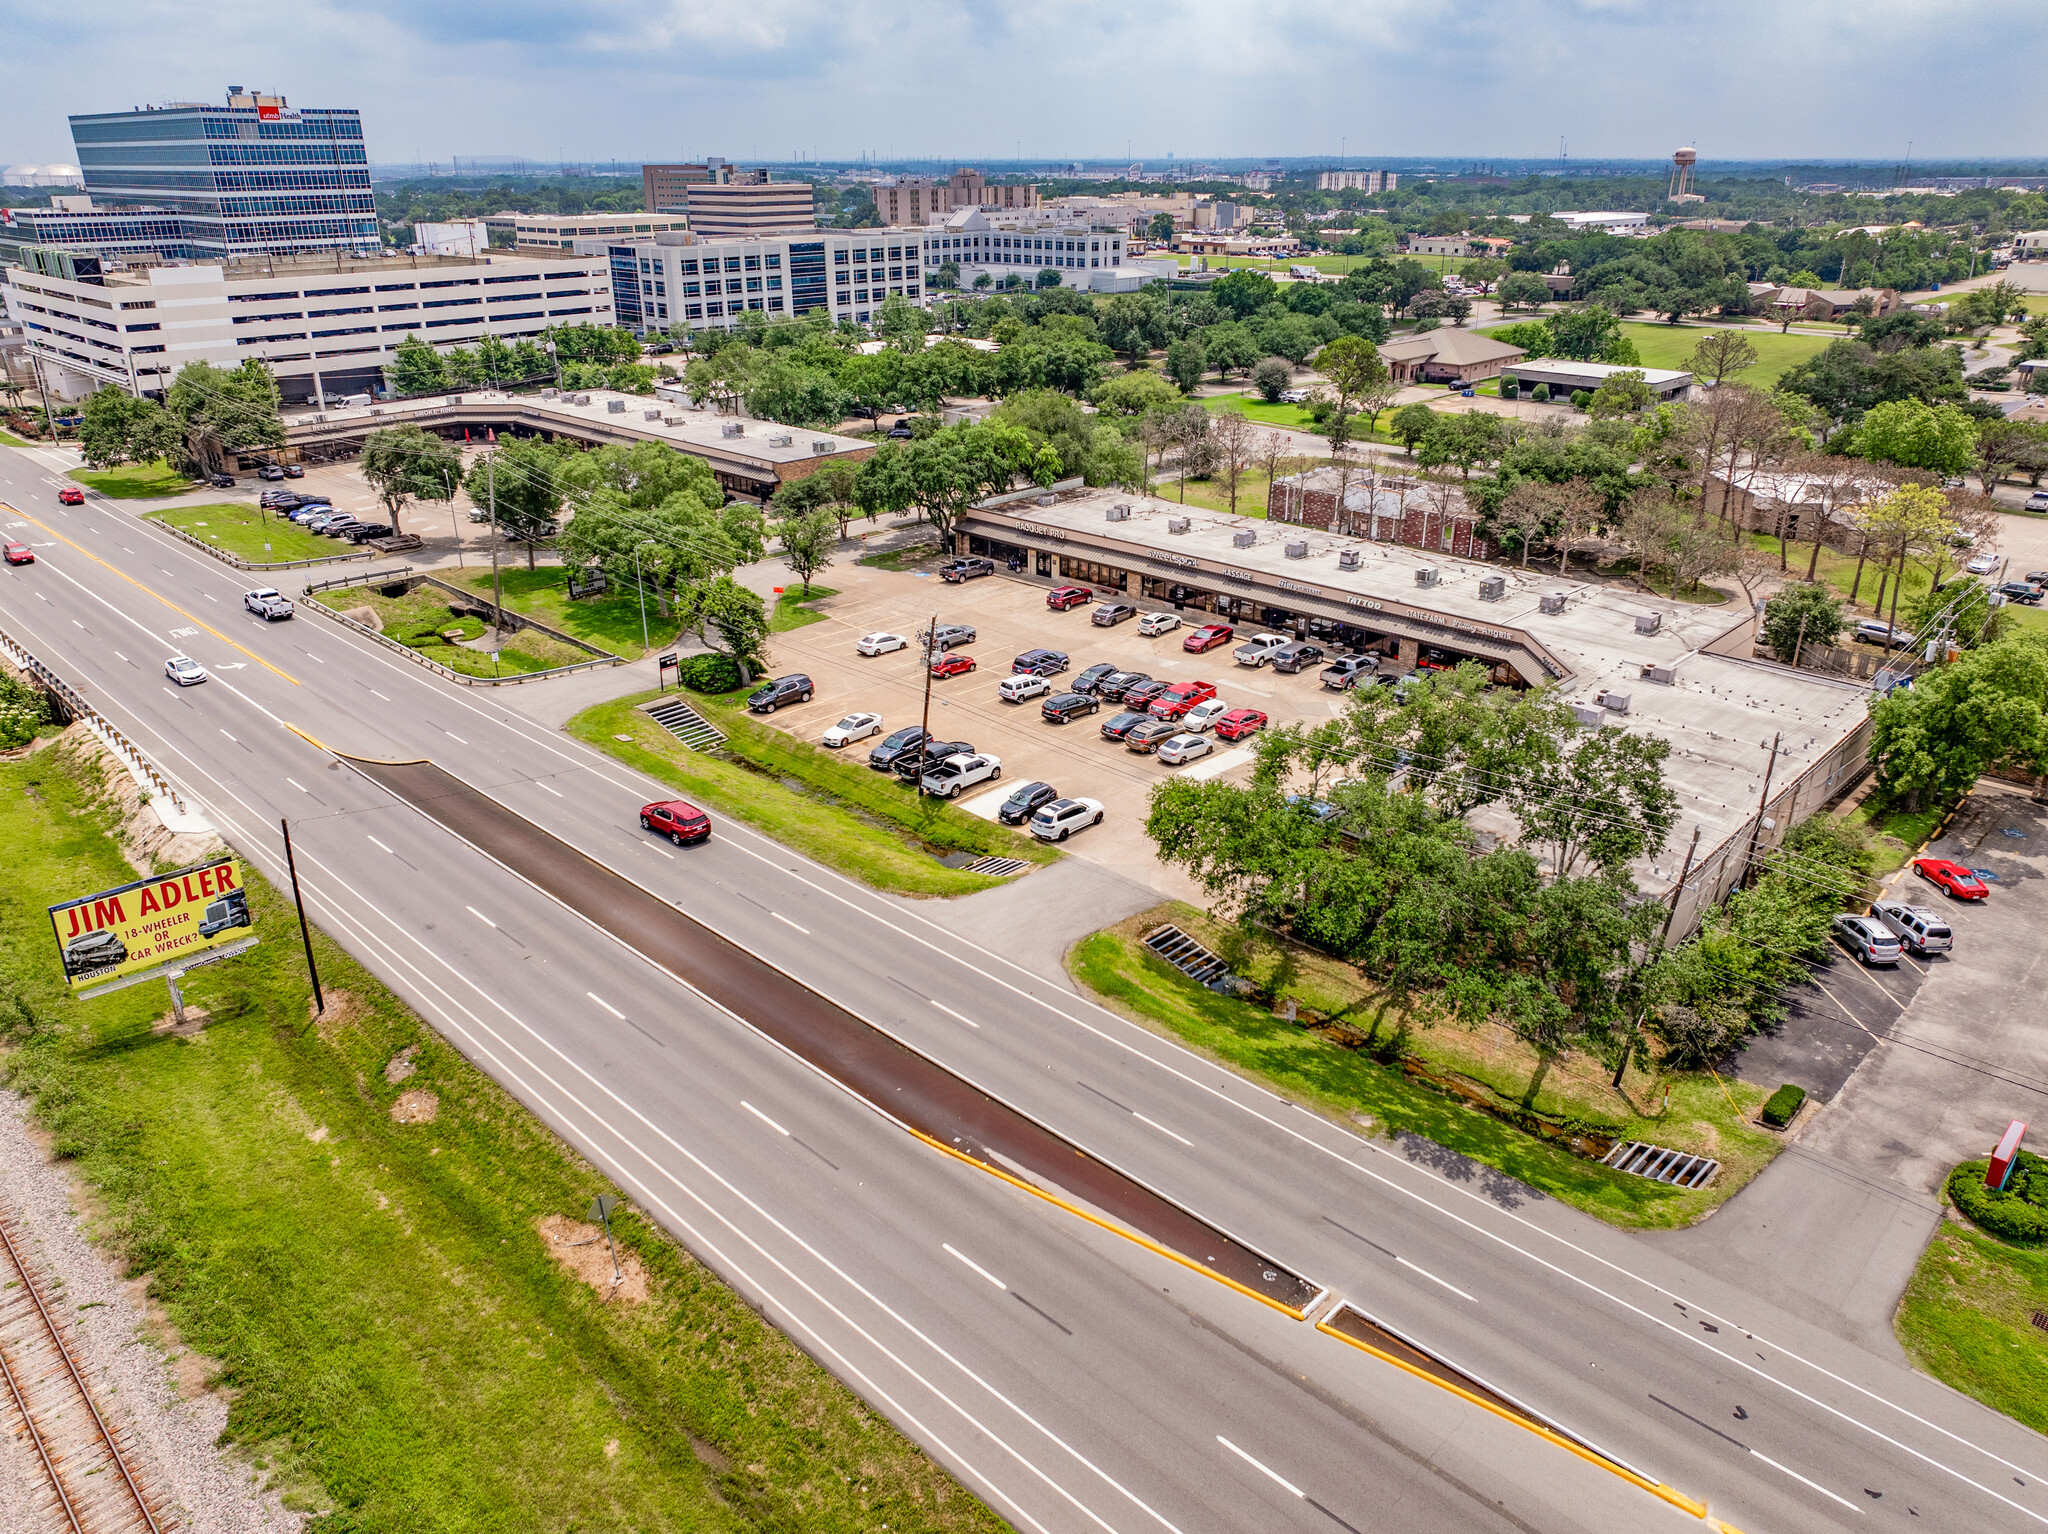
[(1607, 223), (1448, 354), (1562, 377), (915, 201), (1256, 246), (1357, 181), (684, 279), (1827, 303), (550, 232), (1023, 245)]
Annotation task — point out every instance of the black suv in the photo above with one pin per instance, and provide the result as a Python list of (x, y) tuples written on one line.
[(1025, 802), (1066, 706), (361, 530), (918, 760), (1122, 724), (885, 755), (968, 569), (1093, 677), (1112, 687), (794, 688), (1039, 663)]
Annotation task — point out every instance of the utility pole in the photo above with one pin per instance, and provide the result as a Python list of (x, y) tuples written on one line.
[(1628, 1044), (305, 932), (923, 754), (497, 586), (1756, 829)]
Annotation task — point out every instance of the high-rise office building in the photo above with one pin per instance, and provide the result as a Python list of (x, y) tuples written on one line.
[(666, 188)]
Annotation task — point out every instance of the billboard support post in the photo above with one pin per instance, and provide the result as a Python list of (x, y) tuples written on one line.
[(305, 932)]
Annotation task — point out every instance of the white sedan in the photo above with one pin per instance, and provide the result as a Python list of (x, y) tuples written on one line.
[(852, 728), (1158, 623), (1184, 748), (881, 644), (184, 670), (1983, 564), (1015, 689)]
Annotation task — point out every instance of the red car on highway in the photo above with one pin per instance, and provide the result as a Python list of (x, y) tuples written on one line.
[(952, 665), (71, 495), (677, 819), (1208, 637), (1240, 722), (1181, 697), (20, 554), (1065, 598), (1957, 881)]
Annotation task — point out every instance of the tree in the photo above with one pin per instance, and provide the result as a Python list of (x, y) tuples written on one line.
[(1133, 394), (1939, 438), (521, 482), (122, 428), (1801, 616), (1185, 363), (1352, 368), (404, 463), (1235, 441), (1603, 800), (1524, 514), (1989, 709), (1623, 393), (1584, 333), (416, 368), (223, 411), (787, 391), (1160, 229), (1271, 378), (1229, 348), (1719, 354), (731, 619), (1243, 293), (1522, 290), (1412, 423), (1048, 277), (901, 323), (943, 474), (807, 542)]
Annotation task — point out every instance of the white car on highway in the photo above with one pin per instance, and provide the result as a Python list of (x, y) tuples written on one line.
[(1015, 689), (881, 644), (1158, 623), (852, 728), (1063, 817), (184, 670), (949, 777), (1184, 748)]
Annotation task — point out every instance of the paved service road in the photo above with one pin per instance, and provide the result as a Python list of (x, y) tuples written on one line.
[(894, 1282)]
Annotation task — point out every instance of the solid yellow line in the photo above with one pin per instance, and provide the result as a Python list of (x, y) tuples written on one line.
[(309, 739), (376, 761), (1677, 1499), (139, 586), (1116, 1230)]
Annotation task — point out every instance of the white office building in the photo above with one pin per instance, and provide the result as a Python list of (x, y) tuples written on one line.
[(683, 278), (1022, 245)]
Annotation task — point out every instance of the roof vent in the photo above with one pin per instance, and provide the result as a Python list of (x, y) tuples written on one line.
[(1550, 602), (579, 399), (1347, 559), (550, 393), (1493, 588), (1614, 702), (454, 399), (1649, 623), (1047, 500), (1117, 513), (821, 445), (1427, 575), (780, 439), (1591, 718), (731, 429), (1179, 524), (1663, 675), (1243, 540), (1298, 549)]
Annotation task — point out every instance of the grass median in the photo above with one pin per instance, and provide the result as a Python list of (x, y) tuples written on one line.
[(136, 481), (866, 824), (399, 1346), (1369, 1083), (251, 533), (424, 620), (1967, 1319)]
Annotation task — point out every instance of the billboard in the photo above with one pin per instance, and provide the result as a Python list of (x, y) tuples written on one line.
[(151, 923)]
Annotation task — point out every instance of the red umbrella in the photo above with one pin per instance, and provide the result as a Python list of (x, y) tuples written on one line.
[(490, 435)]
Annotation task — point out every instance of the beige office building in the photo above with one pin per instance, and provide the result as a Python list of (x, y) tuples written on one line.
[(920, 200)]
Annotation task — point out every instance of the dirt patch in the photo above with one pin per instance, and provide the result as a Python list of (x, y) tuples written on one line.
[(401, 1065), (145, 842), (581, 1249), (415, 1107), (193, 1025), (344, 1008)]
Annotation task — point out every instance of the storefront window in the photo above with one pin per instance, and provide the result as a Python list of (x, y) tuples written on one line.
[(1088, 572)]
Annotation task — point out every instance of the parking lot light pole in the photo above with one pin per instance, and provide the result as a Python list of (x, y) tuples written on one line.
[(640, 586)]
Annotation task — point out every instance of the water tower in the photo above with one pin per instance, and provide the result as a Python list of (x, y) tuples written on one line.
[(1682, 163)]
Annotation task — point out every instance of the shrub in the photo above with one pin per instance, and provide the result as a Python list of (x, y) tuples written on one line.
[(23, 711), (710, 672), (1540, 393), (1783, 1106), (1582, 398), (2019, 1213), (1509, 389)]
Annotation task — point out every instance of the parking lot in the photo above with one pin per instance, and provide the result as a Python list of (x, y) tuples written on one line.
[(1011, 617)]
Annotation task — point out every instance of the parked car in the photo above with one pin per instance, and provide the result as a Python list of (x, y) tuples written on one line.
[(1067, 706), (677, 819), (1143, 694), (2038, 501), (294, 471), (1158, 623), (1064, 598), (946, 635), (1180, 697), (1057, 821), (1207, 638), (362, 532), (1954, 880), (1877, 631), (1260, 648), (794, 688), (1110, 614), (1983, 564), (946, 779), (280, 500), (1204, 715), (852, 728), (2023, 592), (1093, 677), (1117, 726), (968, 568), (184, 670), (1040, 662), (1015, 689), (270, 471), (306, 511), (317, 519), (1238, 723), (71, 495), (267, 603), (1294, 396), (1184, 748), (1025, 802), (20, 554), (952, 665), (221, 481), (1296, 657), (1112, 687), (2037, 578), (880, 644), (1867, 938), (913, 764), (1345, 671), (335, 527), (1921, 930), (883, 757), (1147, 737)]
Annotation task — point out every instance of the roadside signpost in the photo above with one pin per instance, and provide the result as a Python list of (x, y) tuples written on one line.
[(153, 929), (600, 1210)]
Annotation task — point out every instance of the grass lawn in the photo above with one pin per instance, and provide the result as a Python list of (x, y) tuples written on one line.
[(611, 621), (396, 1342), (902, 559), (1258, 410), (790, 612), (1668, 346), (1838, 570), (1967, 1320), (421, 618), (1209, 493), (1896, 833), (8, 439), (834, 808), (136, 481), (1354, 1083), (243, 531)]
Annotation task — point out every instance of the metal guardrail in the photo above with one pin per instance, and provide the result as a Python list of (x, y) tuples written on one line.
[(460, 678), (243, 564), (109, 733), (361, 578)]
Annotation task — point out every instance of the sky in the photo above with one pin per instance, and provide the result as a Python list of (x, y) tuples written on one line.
[(986, 80)]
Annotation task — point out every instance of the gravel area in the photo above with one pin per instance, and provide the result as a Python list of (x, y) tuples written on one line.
[(171, 1437)]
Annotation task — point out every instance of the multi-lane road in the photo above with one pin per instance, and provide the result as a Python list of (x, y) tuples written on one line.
[(1073, 1378)]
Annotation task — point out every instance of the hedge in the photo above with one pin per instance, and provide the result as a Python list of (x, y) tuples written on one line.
[(1783, 1105), (2020, 1213), (710, 672)]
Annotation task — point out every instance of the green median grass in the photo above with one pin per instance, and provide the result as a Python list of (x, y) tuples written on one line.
[(248, 532), (1967, 1319), (611, 621), (1257, 409), (136, 481), (1351, 1084), (790, 611), (834, 808), (423, 620), (397, 1346)]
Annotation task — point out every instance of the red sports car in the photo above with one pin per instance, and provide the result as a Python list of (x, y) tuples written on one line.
[(1181, 697), (1240, 722), (952, 665), (1956, 880), (71, 495), (677, 819), (1064, 598), (20, 554), (1208, 637)]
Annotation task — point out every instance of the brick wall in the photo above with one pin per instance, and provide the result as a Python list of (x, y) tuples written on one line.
[(1308, 506)]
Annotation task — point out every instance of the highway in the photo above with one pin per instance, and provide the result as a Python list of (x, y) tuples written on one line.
[(1068, 1375)]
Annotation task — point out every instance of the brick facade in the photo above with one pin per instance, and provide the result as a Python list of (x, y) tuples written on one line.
[(1394, 511)]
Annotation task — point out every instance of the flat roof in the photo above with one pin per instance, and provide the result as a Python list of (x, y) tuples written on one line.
[(1654, 377)]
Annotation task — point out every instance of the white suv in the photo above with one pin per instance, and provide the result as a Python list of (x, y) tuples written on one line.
[(1920, 929), (1060, 819), (1158, 623), (1258, 649), (1015, 689)]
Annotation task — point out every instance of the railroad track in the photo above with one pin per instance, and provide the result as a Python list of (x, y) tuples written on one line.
[(90, 1487)]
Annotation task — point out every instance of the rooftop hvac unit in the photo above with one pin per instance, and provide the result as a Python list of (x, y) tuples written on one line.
[(319, 420), (731, 429), (454, 399), (550, 393), (1117, 514), (1550, 602), (1178, 524), (821, 445), (780, 439), (614, 407), (650, 415), (1427, 575), (1663, 675), (1243, 540), (1493, 588), (1347, 559), (579, 399), (1614, 702), (1649, 623), (1047, 500), (1592, 718), (1298, 549)]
